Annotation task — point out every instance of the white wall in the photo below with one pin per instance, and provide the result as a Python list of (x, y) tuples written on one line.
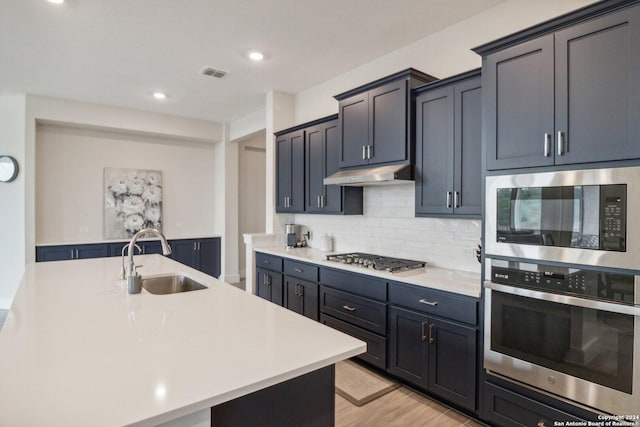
[(70, 187), (251, 194), (12, 198)]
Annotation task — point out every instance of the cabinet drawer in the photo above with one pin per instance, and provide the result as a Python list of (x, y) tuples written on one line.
[(270, 262), (301, 270), (430, 301), (362, 312), (376, 353), (510, 409), (360, 284)]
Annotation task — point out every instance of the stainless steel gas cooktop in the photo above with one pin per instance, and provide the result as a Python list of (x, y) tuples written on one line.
[(376, 262)]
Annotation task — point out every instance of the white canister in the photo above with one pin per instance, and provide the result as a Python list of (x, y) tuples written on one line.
[(326, 243)]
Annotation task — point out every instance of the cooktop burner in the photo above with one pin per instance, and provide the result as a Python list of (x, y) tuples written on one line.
[(376, 262)]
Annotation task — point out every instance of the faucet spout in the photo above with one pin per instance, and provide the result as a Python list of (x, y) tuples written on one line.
[(134, 281)]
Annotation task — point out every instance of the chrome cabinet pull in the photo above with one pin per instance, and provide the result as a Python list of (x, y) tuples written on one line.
[(72, 254), (431, 303), (364, 152), (299, 290), (77, 254), (547, 145), (456, 199), (369, 152), (298, 270), (319, 202), (431, 338), (348, 308), (322, 201), (448, 199), (560, 143), (424, 337), (195, 246)]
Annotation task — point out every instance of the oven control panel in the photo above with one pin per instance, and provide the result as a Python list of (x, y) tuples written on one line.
[(567, 280)]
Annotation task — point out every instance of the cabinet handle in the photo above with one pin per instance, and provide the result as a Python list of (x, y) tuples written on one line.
[(77, 254), (322, 201), (195, 246), (72, 254), (369, 152), (456, 199), (364, 152), (318, 201), (348, 308), (547, 145), (198, 245), (560, 143), (298, 270), (448, 199), (299, 290), (424, 337), (431, 303), (268, 280), (431, 339)]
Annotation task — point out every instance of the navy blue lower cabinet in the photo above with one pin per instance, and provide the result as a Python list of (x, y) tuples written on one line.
[(201, 254), (436, 355), (269, 285), (68, 252), (301, 296)]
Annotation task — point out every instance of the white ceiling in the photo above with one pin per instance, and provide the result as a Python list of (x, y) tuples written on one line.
[(118, 52)]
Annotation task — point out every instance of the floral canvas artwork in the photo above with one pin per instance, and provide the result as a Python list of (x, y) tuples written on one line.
[(132, 201)]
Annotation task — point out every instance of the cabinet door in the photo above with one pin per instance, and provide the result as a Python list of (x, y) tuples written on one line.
[(452, 362), (332, 201), (434, 152), (408, 351), (184, 251), (301, 297), (519, 100), (388, 118), (269, 286), (209, 256), (55, 253), (92, 251), (296, 201), (598, 89), (354, 130), (315, 168), (467, 151), (283, 173)]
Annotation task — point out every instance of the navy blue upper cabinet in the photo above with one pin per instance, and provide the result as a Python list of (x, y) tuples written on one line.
[(448, 147), (566, 96), (321, 160), (290, 172), (376, 121)]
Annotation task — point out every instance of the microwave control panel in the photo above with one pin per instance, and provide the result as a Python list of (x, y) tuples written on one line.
[(613, 217)]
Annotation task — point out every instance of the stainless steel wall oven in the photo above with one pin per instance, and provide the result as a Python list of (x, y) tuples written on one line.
[(573, 332)]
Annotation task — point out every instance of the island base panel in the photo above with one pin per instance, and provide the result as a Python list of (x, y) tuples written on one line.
[(304, 401)]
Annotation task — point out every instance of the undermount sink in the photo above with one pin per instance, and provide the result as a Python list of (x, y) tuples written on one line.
[(171, 284)]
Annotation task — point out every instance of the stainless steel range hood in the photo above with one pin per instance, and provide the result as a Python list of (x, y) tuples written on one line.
[(381, 175)]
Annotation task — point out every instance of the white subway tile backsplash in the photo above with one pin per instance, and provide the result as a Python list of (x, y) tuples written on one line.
[(388, 227)]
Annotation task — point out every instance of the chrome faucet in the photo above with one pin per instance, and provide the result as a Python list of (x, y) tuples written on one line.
[(123, 271), (134, 281)]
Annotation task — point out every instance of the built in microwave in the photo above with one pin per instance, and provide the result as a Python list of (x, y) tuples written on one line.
[(580, 216)]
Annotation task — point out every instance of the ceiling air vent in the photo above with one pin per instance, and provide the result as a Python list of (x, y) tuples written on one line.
[(212, 72)]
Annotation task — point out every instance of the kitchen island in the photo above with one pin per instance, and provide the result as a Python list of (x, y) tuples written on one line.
[(77, 349)]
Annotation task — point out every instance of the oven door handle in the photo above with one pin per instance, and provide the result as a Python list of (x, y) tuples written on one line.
[(565, 299)]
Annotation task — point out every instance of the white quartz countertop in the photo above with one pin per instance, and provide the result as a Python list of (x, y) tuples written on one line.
[(77, 350), (456, 281)]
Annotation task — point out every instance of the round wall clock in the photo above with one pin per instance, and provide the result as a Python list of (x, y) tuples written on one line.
[(8, 168)]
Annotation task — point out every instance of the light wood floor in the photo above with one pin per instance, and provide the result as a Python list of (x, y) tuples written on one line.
[(399, 408)]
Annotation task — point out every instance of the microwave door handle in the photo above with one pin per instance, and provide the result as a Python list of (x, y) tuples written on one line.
[(565, 299)]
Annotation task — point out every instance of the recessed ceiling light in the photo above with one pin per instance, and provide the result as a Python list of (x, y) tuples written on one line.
[(159, 95), (56, 1), (256, 56)]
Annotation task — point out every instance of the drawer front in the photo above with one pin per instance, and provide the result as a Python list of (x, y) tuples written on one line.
[(509, 409), (430, 301), (267, 261), (301, 270), (365, 313), (376, 353), (359, 284)]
